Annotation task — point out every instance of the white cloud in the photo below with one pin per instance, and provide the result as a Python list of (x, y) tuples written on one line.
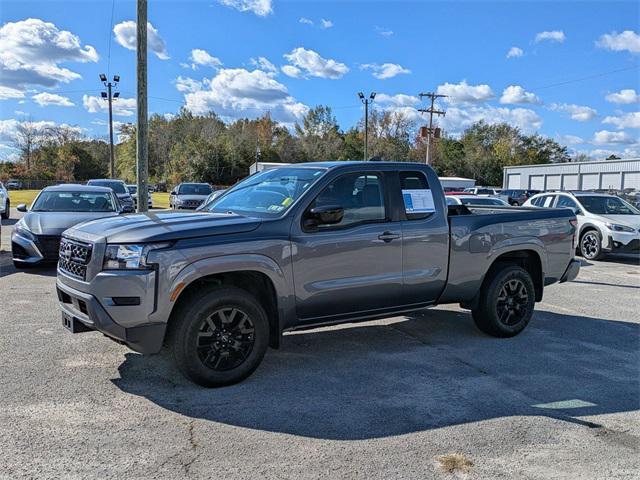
[(386, 70), (605, 137), (8, 92), (236, 92), (603, 153), (570, 139), (186, 84), (619, 42), (515, 52), (626, 120), (399, 100), (578, 113), (44, 99), (326, 23), (31, 52), (305, 21), (203, 58), (625, 97), (262, 63), (552, 36), (464, 93), (262, 8), (385, 32), (515, 94), (124, 107), (314, 65), (9, 127), (291, 71), (458, 119), (125, 34)]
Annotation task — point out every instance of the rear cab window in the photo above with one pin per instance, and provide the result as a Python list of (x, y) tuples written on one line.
[(417, 196)]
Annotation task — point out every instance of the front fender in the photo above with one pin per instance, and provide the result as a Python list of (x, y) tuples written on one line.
[(240, 263)]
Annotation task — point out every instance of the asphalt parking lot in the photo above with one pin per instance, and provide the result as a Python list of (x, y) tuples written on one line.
[(382, 399)]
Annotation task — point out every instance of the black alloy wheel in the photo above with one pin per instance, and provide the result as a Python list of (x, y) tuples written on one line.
[(512, 303)]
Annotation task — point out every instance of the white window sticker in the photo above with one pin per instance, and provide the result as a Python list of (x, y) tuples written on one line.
[(418, 201)]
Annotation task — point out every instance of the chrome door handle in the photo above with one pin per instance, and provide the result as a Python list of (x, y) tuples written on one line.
[(388, 236)]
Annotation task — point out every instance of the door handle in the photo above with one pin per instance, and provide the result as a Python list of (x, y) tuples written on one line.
[(388, 236)]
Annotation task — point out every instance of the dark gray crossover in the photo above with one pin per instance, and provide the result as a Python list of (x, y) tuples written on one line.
[(301, 246), (36, 236)]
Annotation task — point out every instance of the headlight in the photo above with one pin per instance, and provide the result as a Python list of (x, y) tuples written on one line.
[(22, 230), (133, 257), (177, 201), (619, 228)]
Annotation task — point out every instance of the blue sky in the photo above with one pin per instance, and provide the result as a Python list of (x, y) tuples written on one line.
[(572, 73)]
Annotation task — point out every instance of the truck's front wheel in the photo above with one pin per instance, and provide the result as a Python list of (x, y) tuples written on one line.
[(219, 337), (506, 306)]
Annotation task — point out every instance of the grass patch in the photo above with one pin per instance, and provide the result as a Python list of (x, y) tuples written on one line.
[(454, 462), (22, 196), (160, 199)]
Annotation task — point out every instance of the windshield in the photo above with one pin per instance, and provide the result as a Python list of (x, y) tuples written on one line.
[(117, 187), (194, 189), (482, 201), (601, 205), (269, 193), (74, 202)]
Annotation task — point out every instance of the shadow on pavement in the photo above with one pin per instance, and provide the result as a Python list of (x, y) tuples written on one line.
[(432, 370), (9, 221), (625, 259), (7, 268)]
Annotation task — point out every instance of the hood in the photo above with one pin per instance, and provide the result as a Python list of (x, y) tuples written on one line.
[(123, 196), (54, 223), (163, 226), (628, 220), (192, 197)]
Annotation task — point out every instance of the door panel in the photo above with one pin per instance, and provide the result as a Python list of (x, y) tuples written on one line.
[(356, 265)]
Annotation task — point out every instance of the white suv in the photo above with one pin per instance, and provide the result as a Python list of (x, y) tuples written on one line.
[(606, 223), (5, 203)]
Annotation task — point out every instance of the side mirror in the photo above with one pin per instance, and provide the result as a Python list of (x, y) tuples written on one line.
[(127, 209), (21, 208), (326, 215), (576, 210), (173, 192)]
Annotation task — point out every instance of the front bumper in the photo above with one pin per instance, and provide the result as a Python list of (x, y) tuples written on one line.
[(82, 311), (623, 243), (25, 250)]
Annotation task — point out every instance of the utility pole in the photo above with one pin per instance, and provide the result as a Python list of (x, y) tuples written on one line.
[(366, 102), (110, 95), (431, 111), (142, 128)]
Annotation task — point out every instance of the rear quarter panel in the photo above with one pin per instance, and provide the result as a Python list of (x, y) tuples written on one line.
[(478, 240)]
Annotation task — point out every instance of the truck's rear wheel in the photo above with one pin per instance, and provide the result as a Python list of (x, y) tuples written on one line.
[(507, 304), (219, 337)]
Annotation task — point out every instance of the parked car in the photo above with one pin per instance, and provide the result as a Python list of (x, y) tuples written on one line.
[(481, 191), (36, 236), (5, 203), (606, 223), (119, 188), (300, 246), (189, 196), (133, 191), (475, 200), (517, 197), (215, 194), (14, 185)]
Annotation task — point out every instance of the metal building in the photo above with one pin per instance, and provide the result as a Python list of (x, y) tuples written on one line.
[(606, 175)]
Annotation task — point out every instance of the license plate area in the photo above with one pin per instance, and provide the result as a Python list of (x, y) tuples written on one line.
[(74, 325)]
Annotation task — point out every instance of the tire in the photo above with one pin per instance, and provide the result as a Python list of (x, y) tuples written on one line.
[(212, 352), (510, 289), (591, 245), (7, 211)]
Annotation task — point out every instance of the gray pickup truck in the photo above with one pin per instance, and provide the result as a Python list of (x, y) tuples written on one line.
[(301, 246)]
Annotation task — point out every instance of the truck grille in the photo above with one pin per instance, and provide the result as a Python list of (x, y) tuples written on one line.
[(49, 246), (74, 257)]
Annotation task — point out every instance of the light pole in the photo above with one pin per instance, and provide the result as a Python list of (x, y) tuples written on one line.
[(366, 102), (110, 95)]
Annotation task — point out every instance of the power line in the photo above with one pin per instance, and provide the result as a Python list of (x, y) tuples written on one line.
[(588, 77)]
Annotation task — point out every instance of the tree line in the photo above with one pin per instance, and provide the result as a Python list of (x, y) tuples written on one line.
[(189, 147)]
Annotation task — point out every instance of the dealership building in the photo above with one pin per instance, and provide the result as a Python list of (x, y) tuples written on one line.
[(601, 175)]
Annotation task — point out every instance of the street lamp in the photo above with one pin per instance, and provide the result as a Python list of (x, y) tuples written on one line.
[(366, 102)]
